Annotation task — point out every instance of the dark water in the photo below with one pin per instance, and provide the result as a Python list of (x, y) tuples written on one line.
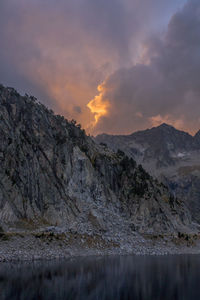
[(111, 278)]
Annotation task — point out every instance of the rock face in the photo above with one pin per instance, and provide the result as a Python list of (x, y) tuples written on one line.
[(171, 155), (51, 173)]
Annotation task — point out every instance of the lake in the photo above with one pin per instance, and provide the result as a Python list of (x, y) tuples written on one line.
[(103, 278)]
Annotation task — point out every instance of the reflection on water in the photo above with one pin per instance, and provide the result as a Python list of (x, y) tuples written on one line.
[(111, 278)]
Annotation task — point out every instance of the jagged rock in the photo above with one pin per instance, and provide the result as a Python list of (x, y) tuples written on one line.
[(171, 155), (52, 174)]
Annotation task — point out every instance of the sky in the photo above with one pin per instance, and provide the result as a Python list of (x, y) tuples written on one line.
[(115, 66)]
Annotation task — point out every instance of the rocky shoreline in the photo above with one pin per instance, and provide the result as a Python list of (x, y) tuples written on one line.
[(31, 246)]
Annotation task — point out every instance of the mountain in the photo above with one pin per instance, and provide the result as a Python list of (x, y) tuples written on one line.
[(171, 155), (53, 174), (197, 138)]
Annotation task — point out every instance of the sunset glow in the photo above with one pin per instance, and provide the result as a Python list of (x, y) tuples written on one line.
[(144, 55), (98, 106)]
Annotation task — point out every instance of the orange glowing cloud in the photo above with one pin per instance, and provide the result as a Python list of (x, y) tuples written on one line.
[(98, 106)]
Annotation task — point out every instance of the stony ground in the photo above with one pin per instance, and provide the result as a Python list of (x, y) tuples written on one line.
[(26, 246)]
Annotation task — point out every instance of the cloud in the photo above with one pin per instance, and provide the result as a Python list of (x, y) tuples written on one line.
[(98, 106), (60, 51), (164, 85), (77, 109)]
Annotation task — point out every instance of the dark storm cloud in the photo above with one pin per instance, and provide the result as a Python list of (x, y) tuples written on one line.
[(165, 87), (61, 50)]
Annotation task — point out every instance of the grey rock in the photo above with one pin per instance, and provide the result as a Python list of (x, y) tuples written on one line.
[(53, 174), (170, 155)]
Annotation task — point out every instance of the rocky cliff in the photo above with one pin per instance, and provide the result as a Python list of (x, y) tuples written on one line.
[(171, 155), (53, 174)]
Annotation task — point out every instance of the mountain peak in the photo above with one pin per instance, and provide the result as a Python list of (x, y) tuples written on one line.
[(52, 172), (165, 126)]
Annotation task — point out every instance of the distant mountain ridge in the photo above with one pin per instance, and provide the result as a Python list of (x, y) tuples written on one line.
[(171, 155), (52, 174)]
